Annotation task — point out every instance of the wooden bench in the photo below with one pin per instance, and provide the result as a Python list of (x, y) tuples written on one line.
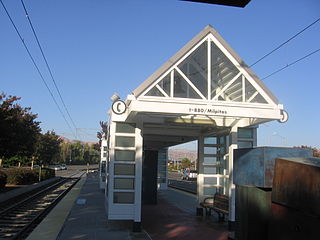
[(218, 203)]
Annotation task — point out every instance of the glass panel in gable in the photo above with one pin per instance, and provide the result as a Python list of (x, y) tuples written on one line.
[(195, 67), (258, 99), (250, 91), (234, 91), (222, 70), (165, 84), (154, 92), (182, 89)]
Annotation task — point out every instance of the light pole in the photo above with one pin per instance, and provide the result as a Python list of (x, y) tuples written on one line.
[(282, 137), (70, 160)]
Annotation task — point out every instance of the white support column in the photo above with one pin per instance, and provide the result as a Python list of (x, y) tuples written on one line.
[(243, 88), (172, 83), (103, 164), (233, 144), (110, 181), (209, 69), (200, 195), (138, 176)]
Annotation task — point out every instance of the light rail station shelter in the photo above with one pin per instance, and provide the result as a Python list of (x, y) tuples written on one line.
[(205, 92)]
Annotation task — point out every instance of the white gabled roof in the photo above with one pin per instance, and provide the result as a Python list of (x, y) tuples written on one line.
[(207, 69)]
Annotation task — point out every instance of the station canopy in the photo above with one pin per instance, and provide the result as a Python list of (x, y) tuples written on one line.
[(205, 87)]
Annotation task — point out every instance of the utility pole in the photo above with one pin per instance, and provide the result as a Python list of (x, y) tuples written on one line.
[(70, 155)]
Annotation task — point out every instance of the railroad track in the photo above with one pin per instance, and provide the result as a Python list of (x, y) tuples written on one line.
[(186, 186), (19, 219)]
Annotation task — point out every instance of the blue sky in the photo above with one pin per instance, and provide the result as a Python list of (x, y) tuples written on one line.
[(96, 48)]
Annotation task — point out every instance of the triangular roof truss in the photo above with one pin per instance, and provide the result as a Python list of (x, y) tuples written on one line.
[(209, 71), (206, 79)]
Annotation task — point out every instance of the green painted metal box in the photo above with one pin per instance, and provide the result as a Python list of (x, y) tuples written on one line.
[(253, 212)]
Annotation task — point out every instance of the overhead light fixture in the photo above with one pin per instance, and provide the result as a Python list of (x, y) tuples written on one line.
[(197, 121), (115, 97)]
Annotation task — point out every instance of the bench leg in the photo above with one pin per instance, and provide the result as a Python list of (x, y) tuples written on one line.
[(208, 211), (200, 211), (221, 217)]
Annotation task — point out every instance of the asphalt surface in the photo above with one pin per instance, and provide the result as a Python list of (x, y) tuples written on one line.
[(74, 169), (175, 181)]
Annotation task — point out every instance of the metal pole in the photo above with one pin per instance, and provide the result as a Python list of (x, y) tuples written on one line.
[(40, 173)]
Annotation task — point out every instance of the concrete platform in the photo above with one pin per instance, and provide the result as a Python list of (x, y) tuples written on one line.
[(174, 217), (81, 215)]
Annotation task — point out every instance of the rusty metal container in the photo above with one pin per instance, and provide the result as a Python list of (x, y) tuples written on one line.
[(296, 184), (255, 166), (290, 224)]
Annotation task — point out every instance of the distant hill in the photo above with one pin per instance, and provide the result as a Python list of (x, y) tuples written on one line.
[(65, 139), (174, 154), (178, 154), (68, 140)]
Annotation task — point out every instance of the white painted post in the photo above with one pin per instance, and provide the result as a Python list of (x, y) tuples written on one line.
[(233, 144), (200, 196), (109, 184), (138, 176)]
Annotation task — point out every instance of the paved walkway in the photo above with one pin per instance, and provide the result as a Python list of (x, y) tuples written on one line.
[(87, 219), (81, 216), (174, 218)]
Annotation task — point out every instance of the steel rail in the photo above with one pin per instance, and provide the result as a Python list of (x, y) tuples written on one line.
[(37, 219), (33, 214), (35, 195)]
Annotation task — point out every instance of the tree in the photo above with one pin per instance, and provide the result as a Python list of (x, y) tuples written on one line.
[(65, 152), (19, 129), (48, 148), (96, 146), (79, 152), (185, 163), (315, 151)]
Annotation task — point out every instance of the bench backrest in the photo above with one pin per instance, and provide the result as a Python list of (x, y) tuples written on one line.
[(221, 202)]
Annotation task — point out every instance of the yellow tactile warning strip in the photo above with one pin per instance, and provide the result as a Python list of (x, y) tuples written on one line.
[(50, 227)]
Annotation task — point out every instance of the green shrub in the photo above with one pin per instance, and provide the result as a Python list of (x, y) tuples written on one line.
[(3, 179), (21, 176), (46, 173)]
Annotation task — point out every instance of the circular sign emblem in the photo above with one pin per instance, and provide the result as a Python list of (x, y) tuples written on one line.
[(119, 107), (284, 116)]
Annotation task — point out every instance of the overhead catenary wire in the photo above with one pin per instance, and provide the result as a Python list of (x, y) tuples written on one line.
[(36, 66), (282, 44), (47, 64), (290, 64)]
